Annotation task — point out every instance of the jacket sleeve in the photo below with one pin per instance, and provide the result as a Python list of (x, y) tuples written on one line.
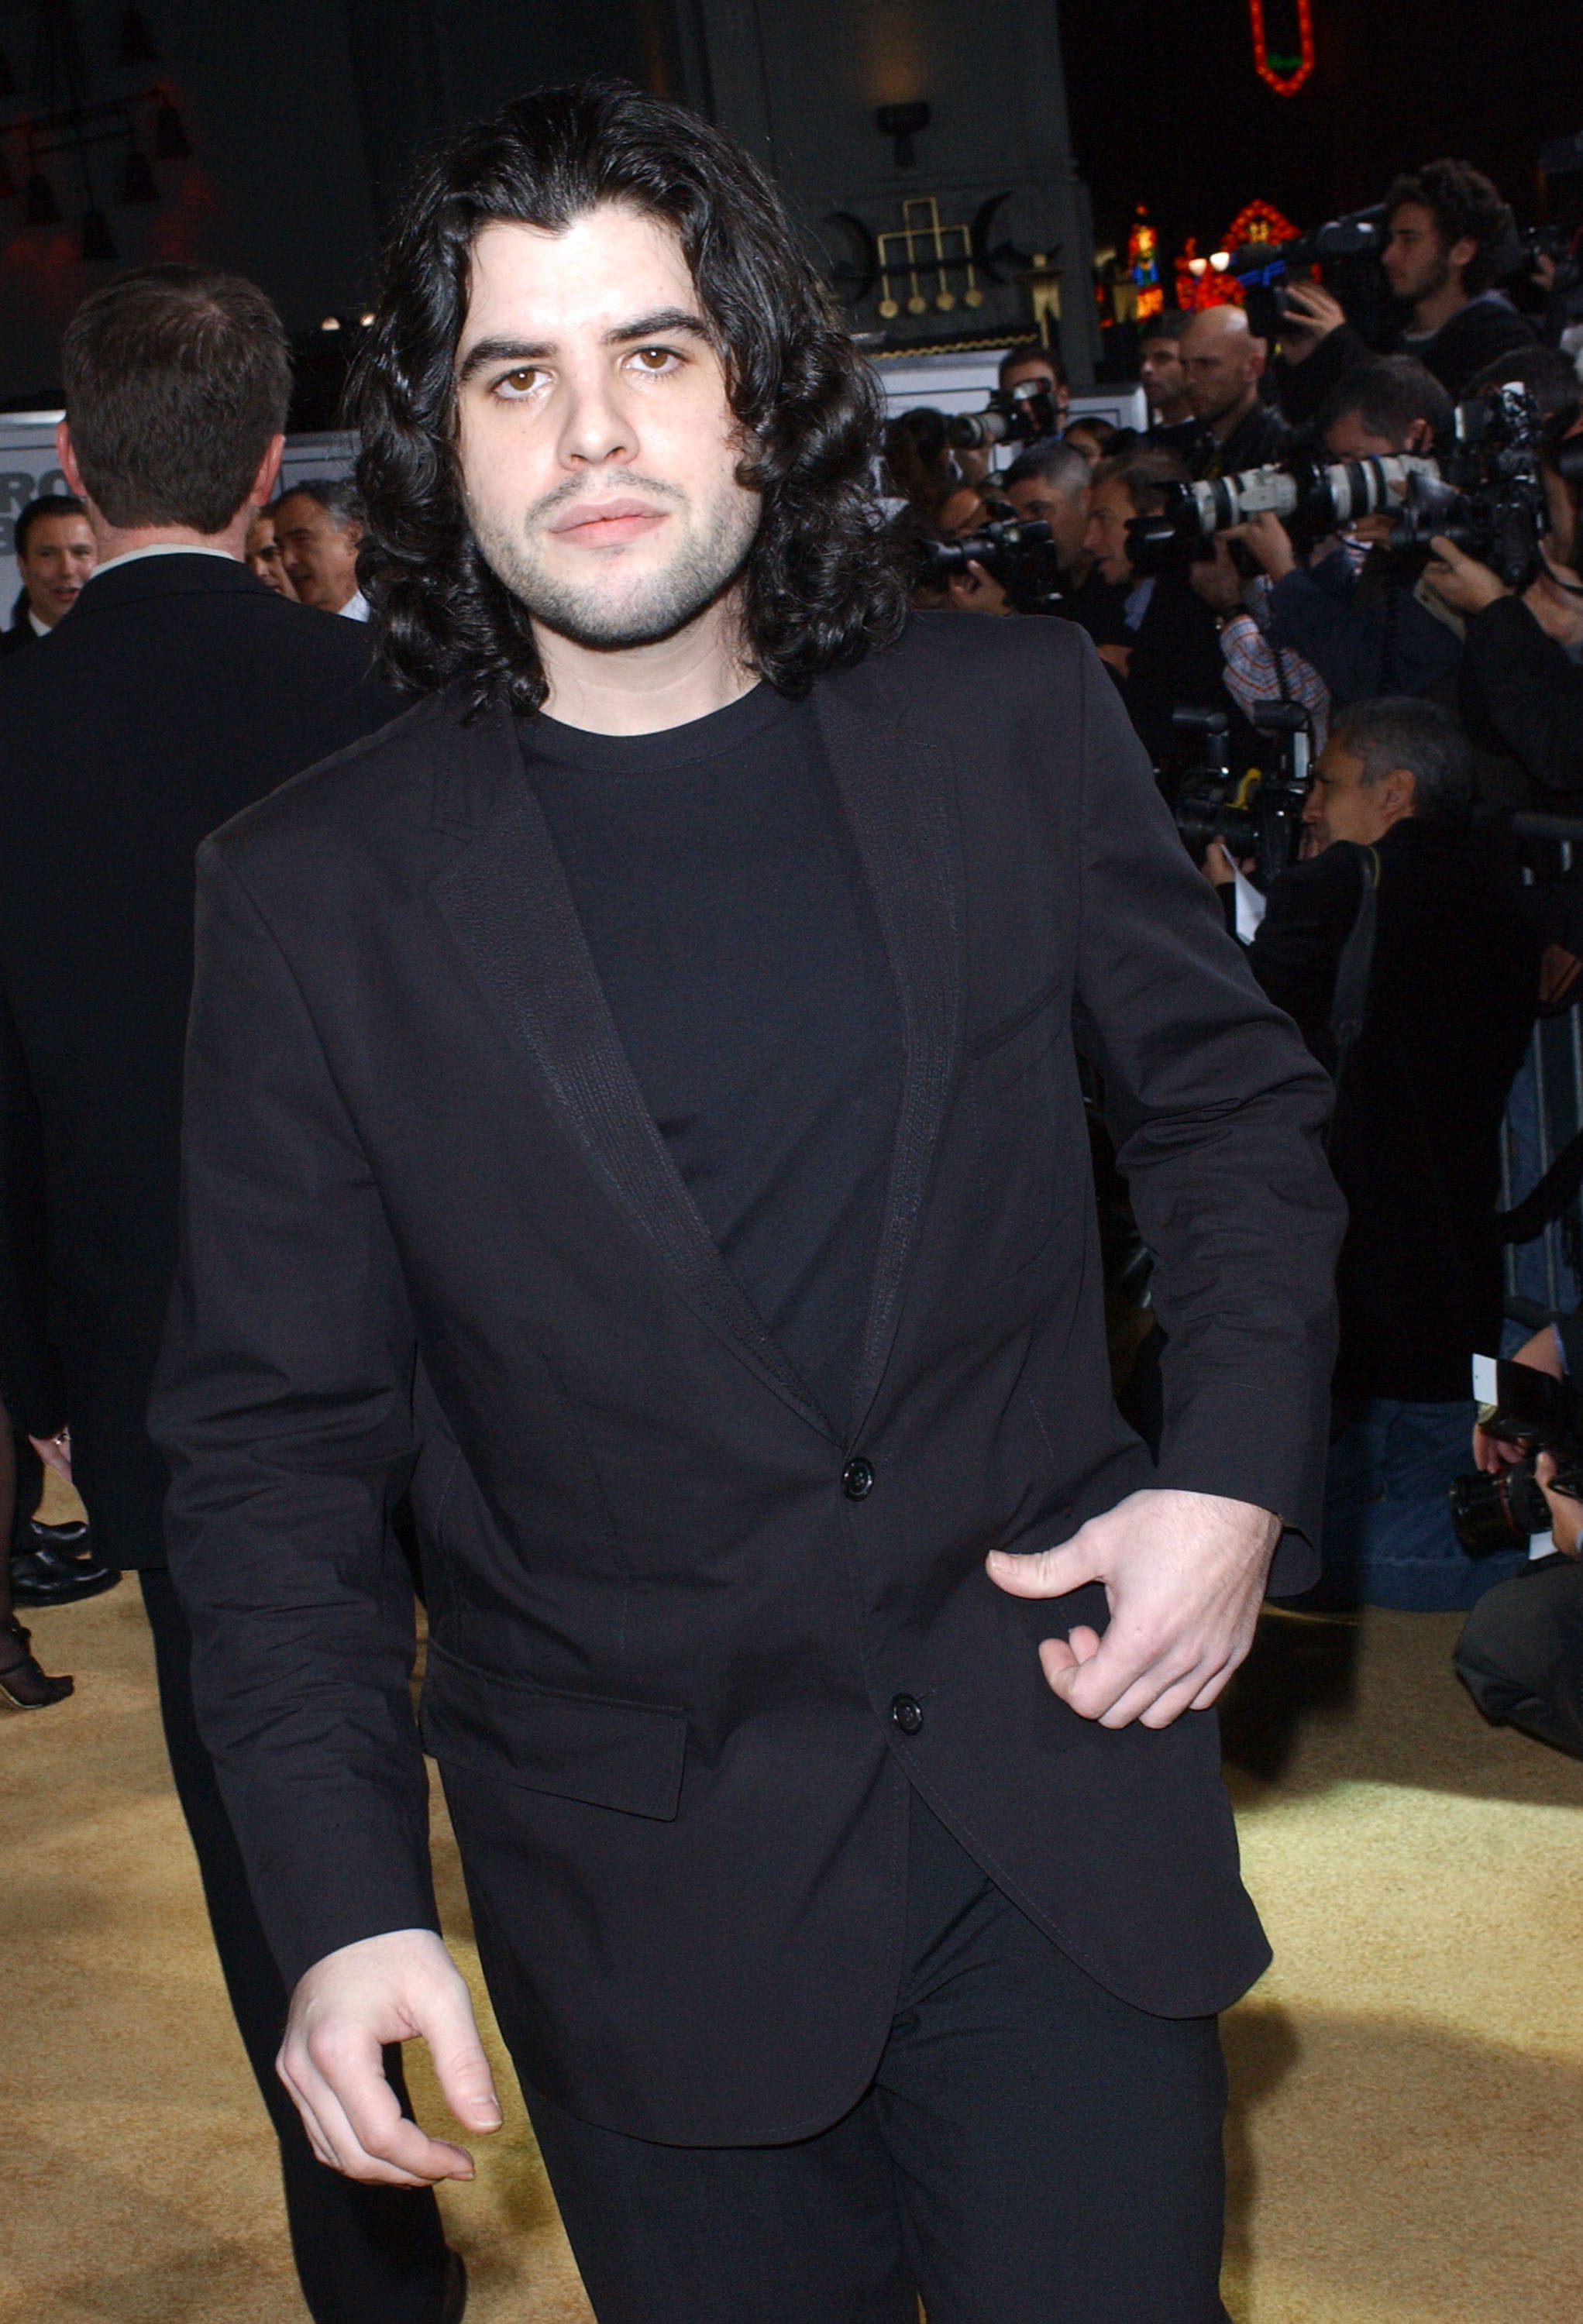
[(1389, 645), (1301, 387), (1218, 1112), (1518, 681), (283, 1406)]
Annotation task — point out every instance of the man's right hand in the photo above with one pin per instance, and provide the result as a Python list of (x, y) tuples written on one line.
[(1312, 313), (398, 1987)]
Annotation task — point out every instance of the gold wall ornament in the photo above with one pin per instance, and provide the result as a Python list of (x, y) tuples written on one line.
[(1042, 280), (920, 248)]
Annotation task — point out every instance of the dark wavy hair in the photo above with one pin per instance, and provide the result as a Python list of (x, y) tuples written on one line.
[(819, 588), (1466, 207)]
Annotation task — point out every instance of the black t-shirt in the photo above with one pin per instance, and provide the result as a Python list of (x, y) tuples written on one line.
[(723, 901)]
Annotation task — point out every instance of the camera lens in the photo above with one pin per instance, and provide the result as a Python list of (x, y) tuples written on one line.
[(1499, 1512)]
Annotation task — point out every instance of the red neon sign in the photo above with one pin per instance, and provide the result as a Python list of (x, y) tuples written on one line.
[(1285, 73)]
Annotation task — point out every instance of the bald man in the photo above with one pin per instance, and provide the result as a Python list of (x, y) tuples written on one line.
[(1224, 363)]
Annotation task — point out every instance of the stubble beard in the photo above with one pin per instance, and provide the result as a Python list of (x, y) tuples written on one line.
[(643, 612)]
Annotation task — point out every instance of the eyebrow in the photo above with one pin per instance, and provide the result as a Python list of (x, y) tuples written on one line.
[(666, 322)]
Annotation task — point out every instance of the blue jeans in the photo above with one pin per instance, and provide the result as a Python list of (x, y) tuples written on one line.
[(1388, 1539)]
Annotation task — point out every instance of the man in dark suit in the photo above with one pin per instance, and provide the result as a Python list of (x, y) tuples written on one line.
[(1415, 1146), (1155, 633), (55, 554), (180, 691), (636, 1099)]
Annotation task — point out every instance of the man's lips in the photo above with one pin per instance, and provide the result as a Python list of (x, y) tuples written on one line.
[(600, 524)]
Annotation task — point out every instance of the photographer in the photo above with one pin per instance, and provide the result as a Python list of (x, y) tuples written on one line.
[(1052, 484), (1446, 1004), (1353, 612), (1448, 231), (1521, 1651), (1522, 666), (1157, 638)]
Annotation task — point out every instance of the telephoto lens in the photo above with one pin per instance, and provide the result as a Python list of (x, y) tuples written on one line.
[(1498, 1512)]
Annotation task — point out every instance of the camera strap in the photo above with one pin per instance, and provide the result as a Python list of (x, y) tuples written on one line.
[(1354, 968)]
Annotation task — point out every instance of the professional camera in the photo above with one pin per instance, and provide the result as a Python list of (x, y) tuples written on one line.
[(1025, 414), (1518, 1405), (1347, 248), (1020, 554), (1487, 494), (1257, 815), (1312, 497)]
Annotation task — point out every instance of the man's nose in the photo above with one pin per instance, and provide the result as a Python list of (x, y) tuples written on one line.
[(594, 426)]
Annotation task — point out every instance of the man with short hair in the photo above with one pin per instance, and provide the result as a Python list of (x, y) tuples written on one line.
[(1154, 631), (1368, 626), (1162, 376), (264, 555), (55, 554), (1223, 361), (1041, 368), (1052, 483), (639, 1091), (1448, 235), (319, 525), (1446, 1000), (180, 691)]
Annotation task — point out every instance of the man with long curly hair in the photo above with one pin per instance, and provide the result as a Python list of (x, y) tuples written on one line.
[(634, 1101)]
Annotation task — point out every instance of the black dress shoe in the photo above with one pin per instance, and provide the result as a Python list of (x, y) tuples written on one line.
[(49, 1575), (454, 2305)]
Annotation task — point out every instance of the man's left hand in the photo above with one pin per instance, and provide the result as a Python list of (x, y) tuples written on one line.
[(1185, 1575)]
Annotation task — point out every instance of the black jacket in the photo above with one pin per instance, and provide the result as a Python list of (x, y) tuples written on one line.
[(1175, 663), (1459, 350), (1523, 694), (178, 689), (1415, 1142), (674, 1621), (18, 633), (1259, 437), (1365, 633)]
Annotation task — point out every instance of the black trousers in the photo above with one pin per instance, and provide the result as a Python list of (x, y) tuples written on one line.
[(364, 2255), (1033, 2150), (1521, 1652)]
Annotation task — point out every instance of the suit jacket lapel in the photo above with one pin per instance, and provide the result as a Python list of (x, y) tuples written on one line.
[(895, 785), (508, 902)]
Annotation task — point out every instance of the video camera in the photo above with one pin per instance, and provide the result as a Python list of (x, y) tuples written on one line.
[(1312, 497), (1019, 553), (1257, 815), (1348, 248), (1518, 1405), (1019, 415)]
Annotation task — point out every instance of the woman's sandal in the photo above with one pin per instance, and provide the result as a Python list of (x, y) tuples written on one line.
[(22, 1683)]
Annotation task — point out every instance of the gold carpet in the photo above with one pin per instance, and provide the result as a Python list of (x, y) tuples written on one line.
[(1408, 2082)]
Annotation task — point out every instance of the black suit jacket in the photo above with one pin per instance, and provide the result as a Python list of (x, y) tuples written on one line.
[(428, 1217), (1176, 662), (178, 689), (1415, 1144)]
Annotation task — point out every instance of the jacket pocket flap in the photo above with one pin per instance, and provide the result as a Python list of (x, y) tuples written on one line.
[(577, 1746)]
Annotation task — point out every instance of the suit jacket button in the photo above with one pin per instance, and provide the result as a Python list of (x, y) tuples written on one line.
[(858, 1479), (906, 1713)]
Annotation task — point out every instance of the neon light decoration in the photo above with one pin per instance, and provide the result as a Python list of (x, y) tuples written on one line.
[(1144, 265), (1283, 61)]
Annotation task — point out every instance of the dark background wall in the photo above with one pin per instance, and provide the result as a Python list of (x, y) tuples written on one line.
[(1166, 107), (306, 119), (306, 116)]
